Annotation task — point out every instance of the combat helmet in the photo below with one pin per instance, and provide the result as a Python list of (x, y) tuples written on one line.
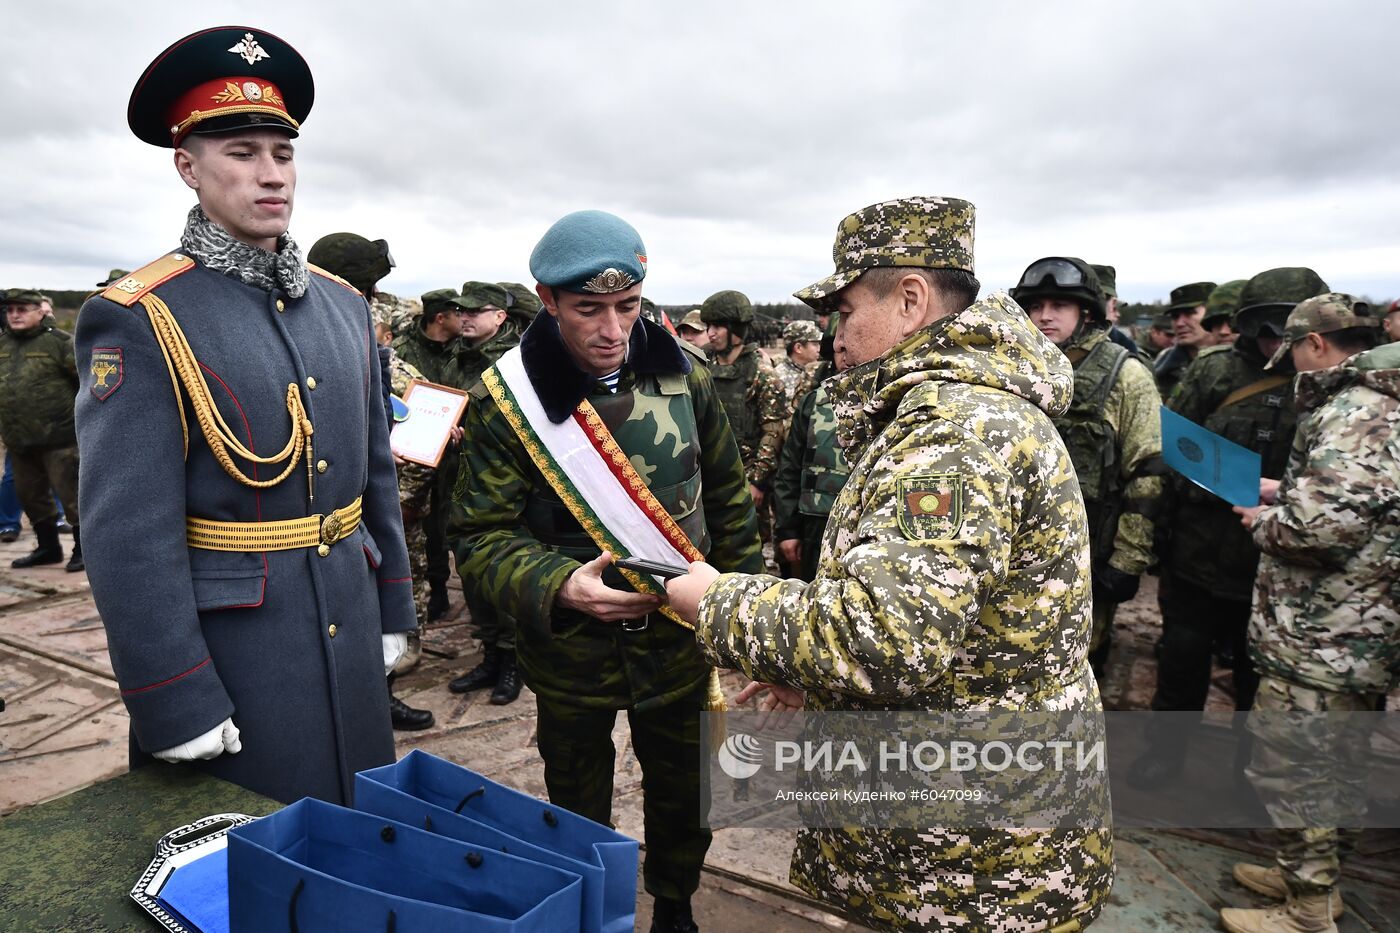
[(1267, 298), (727, 307), (1062, 277), (359, 261)]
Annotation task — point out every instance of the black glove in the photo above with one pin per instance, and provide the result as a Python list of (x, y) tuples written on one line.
[(1114, 586)]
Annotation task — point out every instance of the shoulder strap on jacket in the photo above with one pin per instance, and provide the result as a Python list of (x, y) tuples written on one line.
[(130, 289)]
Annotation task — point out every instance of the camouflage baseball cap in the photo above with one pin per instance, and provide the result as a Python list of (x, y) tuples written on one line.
[(480, 294), (692, 320), (1223, 302), (799, 331), (1189, 297), (1108, 279), (1324, 314), (727, 307), (113, 277), (23, 296), (925, 232)]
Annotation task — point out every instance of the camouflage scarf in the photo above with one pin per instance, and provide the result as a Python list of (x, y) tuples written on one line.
[(216, 248)]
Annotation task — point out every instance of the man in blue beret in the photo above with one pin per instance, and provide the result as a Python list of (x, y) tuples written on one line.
[(241, 514), (653, 471)]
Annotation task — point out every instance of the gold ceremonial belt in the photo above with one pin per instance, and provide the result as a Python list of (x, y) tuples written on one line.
[(320, 531)]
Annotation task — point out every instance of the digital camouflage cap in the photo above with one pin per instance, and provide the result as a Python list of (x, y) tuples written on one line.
[(1189, 297), (800, 331), (923, 231), (481, 294), (727, 307), (1325, 314), (1224, 300)]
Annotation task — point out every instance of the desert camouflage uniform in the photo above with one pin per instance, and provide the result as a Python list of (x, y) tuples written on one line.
[(957, 579), (1325, 631), (758, 411)]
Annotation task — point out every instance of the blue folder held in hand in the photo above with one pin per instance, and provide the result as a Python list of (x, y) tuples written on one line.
[(315, 867), (428, 792), (1210, 461)]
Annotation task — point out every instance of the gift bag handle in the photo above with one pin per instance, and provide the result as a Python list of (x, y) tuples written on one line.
[(476, 793), (389, 924)]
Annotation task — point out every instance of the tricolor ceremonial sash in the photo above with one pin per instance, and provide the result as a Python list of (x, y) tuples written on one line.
[(593, 477)]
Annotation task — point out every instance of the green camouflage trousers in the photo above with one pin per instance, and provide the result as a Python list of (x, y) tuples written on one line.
[(417, 543), (1306, 764), (579, 760), (39, 469)]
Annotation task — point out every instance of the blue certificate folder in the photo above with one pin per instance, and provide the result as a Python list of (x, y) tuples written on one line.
[(1210, 461)]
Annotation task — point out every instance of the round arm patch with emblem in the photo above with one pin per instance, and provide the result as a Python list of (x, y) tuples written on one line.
[(930, 506)]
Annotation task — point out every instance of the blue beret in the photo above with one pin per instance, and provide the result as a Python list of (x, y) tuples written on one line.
[(589, 251)]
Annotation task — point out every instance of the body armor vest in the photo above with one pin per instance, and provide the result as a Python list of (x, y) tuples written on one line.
[(826, 469), (654, 422), (732, 385), (1093, 443)]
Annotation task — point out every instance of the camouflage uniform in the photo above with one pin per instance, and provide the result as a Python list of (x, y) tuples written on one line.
[(38, 380), (789, 376), (1325, 631), (415, 488), (957, 579), (811, 471)]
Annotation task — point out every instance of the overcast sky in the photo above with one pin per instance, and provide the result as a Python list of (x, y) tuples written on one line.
[(1197, 139)]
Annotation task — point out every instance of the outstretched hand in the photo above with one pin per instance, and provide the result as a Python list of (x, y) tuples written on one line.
[(684, 593), (777, 704), (586, 592)]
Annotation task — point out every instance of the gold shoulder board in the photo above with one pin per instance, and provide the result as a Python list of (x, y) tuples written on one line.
[(333, 277), (130, 289)]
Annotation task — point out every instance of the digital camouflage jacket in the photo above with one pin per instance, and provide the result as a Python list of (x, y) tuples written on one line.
[(1327, 597), (38, 380), (954, 575), (758, 410)]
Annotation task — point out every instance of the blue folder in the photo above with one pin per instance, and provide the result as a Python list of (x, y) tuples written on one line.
[(1210, 461)]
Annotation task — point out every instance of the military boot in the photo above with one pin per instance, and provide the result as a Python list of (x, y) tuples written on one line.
[(48, 551), (1310, 914), (405, 718), (484, 674), (1268, 881), (75, 563), (437, 599), (508, 683), (668, 916)]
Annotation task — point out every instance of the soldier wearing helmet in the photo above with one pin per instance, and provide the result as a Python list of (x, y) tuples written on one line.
[(1112, 431), (752, 395), (1208, 560)]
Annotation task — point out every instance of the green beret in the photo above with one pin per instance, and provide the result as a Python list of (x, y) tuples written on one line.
[(480, 294), (1108, 279), (1190, 297), (589, 251)]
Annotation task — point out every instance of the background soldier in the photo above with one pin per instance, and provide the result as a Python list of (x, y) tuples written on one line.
[(692, 330), (589, 645), (1113, 432), (38, 380), (1325, 631), (1221, 306), (1391, 322), (803, 343), (1108, 285), (1187, 308), (488, 331), (918, 604), (433, 346), (1160, 337), (1208, 560), (363, 263)]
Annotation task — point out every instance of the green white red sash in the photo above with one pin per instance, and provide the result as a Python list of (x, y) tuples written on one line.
[(593, 477)]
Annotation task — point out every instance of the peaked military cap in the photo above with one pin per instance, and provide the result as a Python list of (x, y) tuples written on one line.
[(480, 294), (23, 296), (523, 300), (441, 299), (589, 251), (1189, 297), (924, 232), (1324, 314), (1108, 279), (219, 80), (692, 320)]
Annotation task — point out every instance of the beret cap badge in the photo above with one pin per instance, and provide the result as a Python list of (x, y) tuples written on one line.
[(607, 281)]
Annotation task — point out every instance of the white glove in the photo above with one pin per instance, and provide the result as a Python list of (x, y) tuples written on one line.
[(395, 647), (222, 738)]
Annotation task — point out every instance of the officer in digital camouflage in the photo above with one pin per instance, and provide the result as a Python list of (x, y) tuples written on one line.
[(588, 645), (1186, 309), (957, 578), (802, 343), (363, 263), (811, 470), (38, 379), (1221, 306), (433, 346), (242, 526), (1113, 432), (1325, 629), (1208, 560), (752, 395), (489, 329)]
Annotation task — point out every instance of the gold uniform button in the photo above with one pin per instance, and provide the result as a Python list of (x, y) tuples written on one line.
[(324, 550), (322, 466), (311, 382), (331, 631), (281, 305)]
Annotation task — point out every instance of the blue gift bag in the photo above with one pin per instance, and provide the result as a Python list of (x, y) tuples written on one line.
[(428, 792), (315, 867)]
